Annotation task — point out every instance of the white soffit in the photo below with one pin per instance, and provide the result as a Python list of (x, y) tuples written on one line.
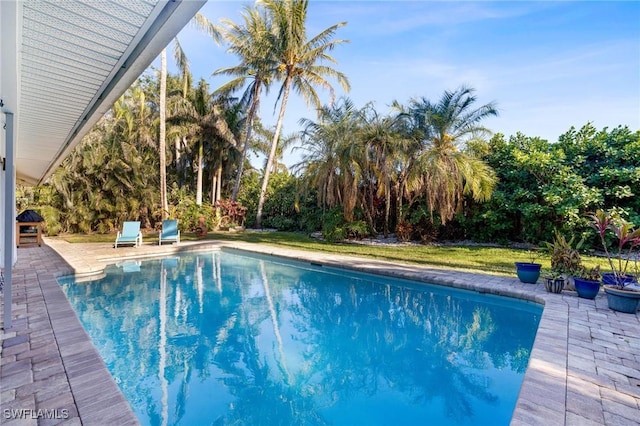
[(76, 58)]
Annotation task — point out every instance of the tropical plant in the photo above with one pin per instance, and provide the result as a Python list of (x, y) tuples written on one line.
[(202, 121), (565, 258), (444, 171), (628, 240), (249, 42), (111, 176), (296, 61), (334, 160), (261, 145), (201, 22), (590, 274), (162, 136), (387, 146), (233, 210)]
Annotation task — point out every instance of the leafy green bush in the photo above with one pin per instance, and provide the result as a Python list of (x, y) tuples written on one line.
[(281, 223), (249, 195), (309, 219), (333, 225), (357, 229)]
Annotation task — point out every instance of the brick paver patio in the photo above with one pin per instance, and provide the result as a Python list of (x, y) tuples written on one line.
[(584, 367)]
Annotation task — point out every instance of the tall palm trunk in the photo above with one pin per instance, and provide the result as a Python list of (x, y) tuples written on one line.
[(272, 153), (252, 113), (199, 176), (219, 182), (163, 134), (387, 205), (216, 185), (178, 161)]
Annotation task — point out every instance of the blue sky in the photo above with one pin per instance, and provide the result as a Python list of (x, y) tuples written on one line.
[(547, 65)]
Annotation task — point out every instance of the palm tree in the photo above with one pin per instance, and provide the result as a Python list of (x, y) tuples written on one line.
[(334, 156), (296, 61), (164, 204), (221, 155), (444, 171), (262, 145), (201, 22), (249, 42), (386, 145), (203, 122), (109, 177)]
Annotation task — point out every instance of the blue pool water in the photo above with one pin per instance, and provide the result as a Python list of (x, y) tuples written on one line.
[(227, 338)]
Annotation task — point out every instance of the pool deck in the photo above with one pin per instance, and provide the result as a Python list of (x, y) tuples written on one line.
[(584, 367)]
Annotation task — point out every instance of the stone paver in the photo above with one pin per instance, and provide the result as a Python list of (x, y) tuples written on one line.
[(584, 367)]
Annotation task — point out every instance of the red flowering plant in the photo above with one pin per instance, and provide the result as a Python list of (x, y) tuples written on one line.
[(628, 242), (233, 213)]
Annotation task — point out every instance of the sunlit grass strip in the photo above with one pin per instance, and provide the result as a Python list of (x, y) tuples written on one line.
[(494, 260)]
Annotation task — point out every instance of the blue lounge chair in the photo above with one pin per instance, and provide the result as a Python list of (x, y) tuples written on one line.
[(130, 234), (170, 232)]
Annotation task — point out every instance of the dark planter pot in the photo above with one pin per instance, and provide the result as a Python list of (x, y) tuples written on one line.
[(554, 285), (586, 289), (623, 300), (608, 278), (528, 272)]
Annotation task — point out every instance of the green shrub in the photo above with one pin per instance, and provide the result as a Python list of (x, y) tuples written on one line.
[(358, 229), (333, 225), (281, 223)]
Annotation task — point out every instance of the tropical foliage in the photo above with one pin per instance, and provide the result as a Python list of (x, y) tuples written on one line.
[(545, 186), (414, 163), (425, 170)]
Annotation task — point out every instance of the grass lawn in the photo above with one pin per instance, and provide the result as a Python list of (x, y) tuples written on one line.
[(495, 260)]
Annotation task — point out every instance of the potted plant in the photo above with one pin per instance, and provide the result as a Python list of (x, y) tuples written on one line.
[(587, 282), (621, 288), (554, 282), (529, 272), (565, 259)]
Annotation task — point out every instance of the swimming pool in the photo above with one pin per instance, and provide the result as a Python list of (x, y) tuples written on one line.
[(223, 338)]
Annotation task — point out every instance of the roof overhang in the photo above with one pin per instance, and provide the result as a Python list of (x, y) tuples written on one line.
[(64, 64)]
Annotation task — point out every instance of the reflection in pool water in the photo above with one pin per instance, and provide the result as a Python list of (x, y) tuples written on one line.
[(221, 338)]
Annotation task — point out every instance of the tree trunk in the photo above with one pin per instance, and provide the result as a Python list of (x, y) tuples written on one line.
[(219, 182), (199, 176), (387, 205), (252, 113), (163, 134), (178, 160), (272, 153), (398, 188), (216, 185), (214, 178)]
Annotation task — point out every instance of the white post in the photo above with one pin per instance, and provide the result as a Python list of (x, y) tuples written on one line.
[(9, 217)]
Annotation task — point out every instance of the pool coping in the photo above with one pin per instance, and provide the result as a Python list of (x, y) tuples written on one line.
[(584, 371)]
